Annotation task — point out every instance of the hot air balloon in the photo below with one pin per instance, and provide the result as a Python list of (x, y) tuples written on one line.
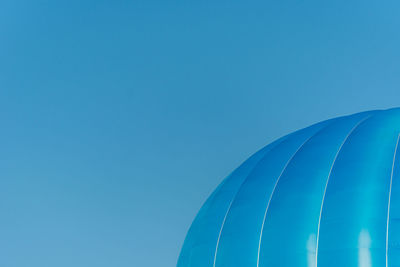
[(324, 196)]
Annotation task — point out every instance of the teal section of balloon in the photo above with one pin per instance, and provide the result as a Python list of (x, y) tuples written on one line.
[(327, 195), (240, 236)]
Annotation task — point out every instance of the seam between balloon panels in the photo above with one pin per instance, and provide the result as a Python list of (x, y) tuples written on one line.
[(327, 182), (390, 194), (274, 188), (231, 202)]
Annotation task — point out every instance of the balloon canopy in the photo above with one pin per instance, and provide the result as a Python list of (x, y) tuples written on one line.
[(327, 195)]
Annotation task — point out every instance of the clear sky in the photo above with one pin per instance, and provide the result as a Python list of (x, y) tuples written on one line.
[(118, 118)]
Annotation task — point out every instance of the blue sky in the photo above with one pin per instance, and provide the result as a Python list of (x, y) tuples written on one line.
[(118, 118)]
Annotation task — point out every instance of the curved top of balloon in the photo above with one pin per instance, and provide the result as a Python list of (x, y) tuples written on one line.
[(326, 195)]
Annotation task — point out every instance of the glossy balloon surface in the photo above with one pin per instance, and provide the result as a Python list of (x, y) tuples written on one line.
[(327, 195)]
